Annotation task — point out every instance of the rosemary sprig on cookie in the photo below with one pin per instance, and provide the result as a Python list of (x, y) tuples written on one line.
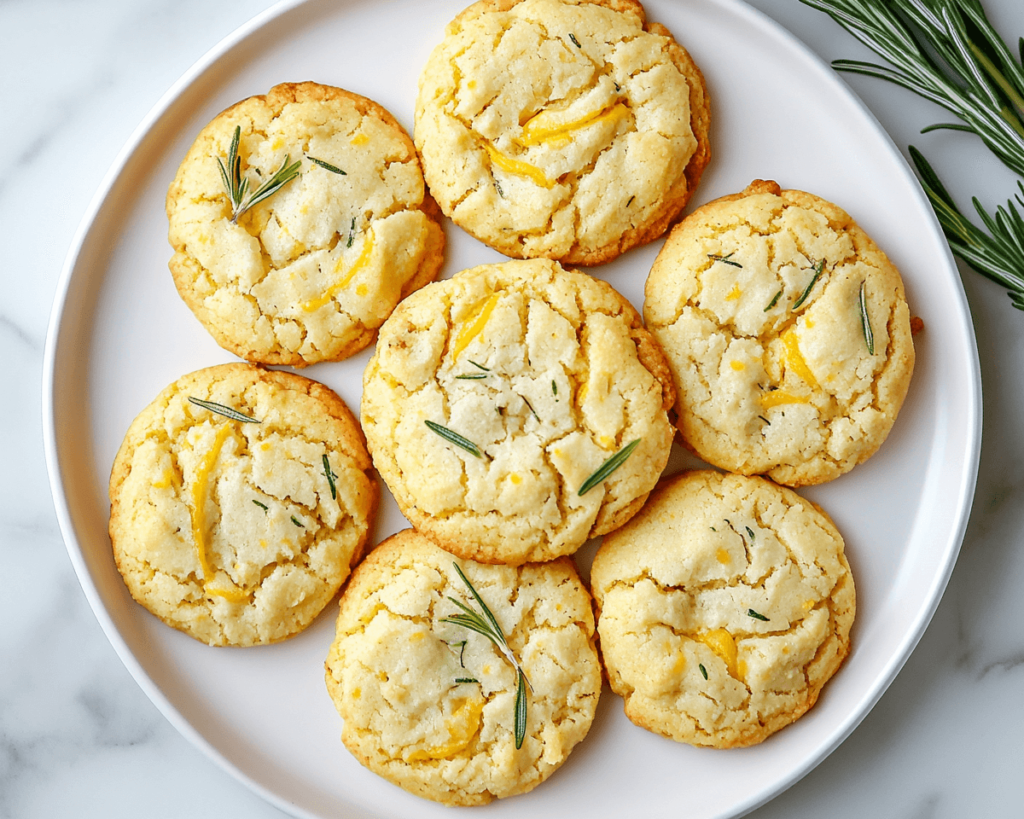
[(221, 409), (483, 622), (608, 467), (977, 78), (455, 438), (238, 187)]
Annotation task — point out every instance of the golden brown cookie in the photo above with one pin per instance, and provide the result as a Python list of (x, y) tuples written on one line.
[(564, 129), (497, 403), (239, 499), (431, 705), (308, 273), (787, 331), (724, 607)]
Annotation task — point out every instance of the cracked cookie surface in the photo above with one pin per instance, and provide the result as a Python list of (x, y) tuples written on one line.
[(309, 273), (546, 374), (787, 331), (394, 671), (724, 607), (563, 129), (231, 530)]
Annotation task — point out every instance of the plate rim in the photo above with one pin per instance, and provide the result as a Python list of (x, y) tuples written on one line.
[(759, 19)]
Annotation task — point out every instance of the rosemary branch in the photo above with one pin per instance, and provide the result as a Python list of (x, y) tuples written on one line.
[(237, 186), (948, 52), (483, 622), (973, 74)]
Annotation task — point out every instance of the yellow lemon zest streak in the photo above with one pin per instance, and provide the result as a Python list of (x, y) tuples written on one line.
[(535, 132), (510, 165), (773, 399), (795, 359), (462, 726), (722, 643), (199, 487), (357, 265), (474, 326)]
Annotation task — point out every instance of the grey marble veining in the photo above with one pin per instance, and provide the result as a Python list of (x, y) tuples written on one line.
[(79, 738)]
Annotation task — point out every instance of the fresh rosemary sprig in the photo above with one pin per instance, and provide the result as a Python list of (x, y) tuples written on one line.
[(483, 622), (999, 256), (455, 438), (975, 76), (948, 52), (238, 187), (220, 409), (608, 467)]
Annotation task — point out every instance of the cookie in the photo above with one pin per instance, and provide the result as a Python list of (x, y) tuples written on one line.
[(724, 607), (787, 331), (494, 397), (431, 705), (308, 273), (564, 129), (239, 499)]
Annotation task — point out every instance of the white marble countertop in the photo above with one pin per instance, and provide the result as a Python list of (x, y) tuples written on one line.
[(79, 738)]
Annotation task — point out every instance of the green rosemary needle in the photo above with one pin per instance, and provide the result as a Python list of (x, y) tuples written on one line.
[(483, 622), (818, 268), (238, 187), (460, 680), (724, 259), (750, 533), (330, 478), (575, 42), (774, 301), (297, 522), (262, 506), (756, 615), (479, 366), (608, 467), (471, 377), (455, 438), (865, 321), (326, 165), (220, 409), (703, 670)]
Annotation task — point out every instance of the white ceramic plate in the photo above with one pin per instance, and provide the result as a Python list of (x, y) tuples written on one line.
[(119, 334)]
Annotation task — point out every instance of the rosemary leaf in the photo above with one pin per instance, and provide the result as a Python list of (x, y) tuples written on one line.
[(326, 165), (330, 478), (865, 321), (455, 438), (608, 467), (756, 615), (479, 366), (520, 714), (820, 266), (725, 259), (773, 302), (460, 680), (262, 506), (750, 533), (576, 43), (703, 670), (297, 522), (471, 377), (220, 409)]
